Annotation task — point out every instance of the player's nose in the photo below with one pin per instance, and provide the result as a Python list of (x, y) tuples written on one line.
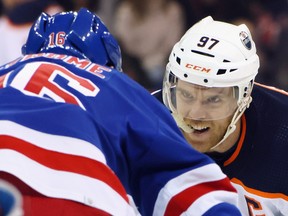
[(197, 111)]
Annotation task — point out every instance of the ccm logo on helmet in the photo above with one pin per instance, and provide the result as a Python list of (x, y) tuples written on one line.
[(198, 68)]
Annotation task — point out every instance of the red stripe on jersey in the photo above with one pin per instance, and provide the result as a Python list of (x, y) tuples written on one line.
[(183, 200), (65, 162), (2, 80)]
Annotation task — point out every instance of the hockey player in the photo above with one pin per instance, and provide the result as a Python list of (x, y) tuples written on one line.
[(207, 87), (78, 137)]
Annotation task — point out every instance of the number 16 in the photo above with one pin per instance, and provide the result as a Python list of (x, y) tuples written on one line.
[(57, 40)]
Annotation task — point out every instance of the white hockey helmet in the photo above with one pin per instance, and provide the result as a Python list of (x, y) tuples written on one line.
[(210, 55)]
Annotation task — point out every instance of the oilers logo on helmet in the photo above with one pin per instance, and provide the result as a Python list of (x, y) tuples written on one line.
[(245, 39)]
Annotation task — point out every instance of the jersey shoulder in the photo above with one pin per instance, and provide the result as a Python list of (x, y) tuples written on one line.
[(270, 97)]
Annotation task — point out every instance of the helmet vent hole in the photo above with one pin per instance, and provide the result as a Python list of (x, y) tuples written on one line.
[(221, 71), (182, 49), (232, 70), (185, 75), (205, 80), (178, 60)]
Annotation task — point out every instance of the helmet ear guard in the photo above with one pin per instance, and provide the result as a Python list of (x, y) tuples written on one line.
[(85, 36), (113, 50)]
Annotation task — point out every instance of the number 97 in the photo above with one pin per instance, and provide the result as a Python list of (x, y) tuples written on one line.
[(206, 41)]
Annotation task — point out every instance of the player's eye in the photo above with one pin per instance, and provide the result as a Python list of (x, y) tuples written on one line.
[(214, 100), (185, 95)]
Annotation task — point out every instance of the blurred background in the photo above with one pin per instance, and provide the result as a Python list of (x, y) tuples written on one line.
[(147, 30)]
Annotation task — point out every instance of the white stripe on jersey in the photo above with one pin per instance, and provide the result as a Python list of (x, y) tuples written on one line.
[(52, 142), (207, 201), (196, 180), (54, 172)]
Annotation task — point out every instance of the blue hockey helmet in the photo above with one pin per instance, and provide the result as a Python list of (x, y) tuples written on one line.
[(81, 34)]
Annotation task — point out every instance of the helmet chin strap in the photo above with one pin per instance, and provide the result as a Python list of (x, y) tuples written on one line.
[(232, 126), (181, 123)]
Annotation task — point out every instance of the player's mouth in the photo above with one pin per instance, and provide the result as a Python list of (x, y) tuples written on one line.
[(198, 128)]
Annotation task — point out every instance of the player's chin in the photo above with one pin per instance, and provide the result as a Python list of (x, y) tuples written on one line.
[(199, 143), (201, 148)]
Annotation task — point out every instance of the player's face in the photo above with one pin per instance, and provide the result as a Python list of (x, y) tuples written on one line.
[(207, 111)]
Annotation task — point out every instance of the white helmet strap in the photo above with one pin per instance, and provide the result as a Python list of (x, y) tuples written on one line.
[(181, 123), (232, 126)]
